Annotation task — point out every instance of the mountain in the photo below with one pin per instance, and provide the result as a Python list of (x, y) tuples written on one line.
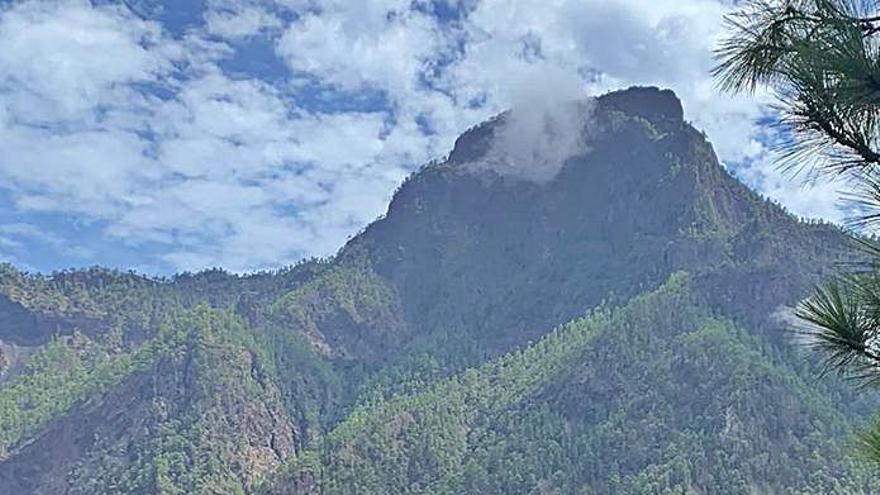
[(577, 302)]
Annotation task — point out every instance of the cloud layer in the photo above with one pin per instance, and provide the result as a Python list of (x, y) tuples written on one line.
[(249, 134)]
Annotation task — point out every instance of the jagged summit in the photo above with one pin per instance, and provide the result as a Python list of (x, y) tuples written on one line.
[(650, 102), (660, 106), (646, 197)]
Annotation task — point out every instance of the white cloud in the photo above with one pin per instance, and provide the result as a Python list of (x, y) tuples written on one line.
[(547, 124), (224, 172), (64, 58), (106, 115), (232, 20), (353, 44), (13, 238)]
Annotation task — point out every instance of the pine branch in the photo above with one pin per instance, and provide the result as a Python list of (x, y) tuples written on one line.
[(870, 156), (842, 323)]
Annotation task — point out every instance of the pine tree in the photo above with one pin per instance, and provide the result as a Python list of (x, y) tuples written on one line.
[(821, 60)]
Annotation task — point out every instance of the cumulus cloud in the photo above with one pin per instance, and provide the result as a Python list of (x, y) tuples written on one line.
[(50, 58), (69, 134), (799, 333), (161, 147)]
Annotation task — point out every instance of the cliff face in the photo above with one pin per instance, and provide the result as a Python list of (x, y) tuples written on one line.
[(498, 260)]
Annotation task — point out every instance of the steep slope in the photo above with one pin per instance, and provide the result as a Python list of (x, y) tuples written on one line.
[(656, 397), (195, 409), (479, 257), (112, 375), (418, 359)]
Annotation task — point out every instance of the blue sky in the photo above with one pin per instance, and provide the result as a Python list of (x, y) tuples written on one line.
[(178, 135)]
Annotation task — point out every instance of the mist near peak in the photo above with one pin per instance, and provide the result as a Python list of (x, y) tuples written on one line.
[(548, 123)]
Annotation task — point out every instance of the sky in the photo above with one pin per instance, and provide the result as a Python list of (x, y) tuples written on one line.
[(179, 135)]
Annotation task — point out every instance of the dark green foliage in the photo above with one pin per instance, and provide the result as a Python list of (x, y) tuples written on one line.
[(55, 377), (200, 412), (347, 311), (655, 398), (213, 424), (311, 388)]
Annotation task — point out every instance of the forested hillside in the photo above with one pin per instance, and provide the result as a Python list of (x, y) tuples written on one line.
[(612, 328), (654, 397)]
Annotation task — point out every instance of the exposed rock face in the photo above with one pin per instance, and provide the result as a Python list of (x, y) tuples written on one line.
[(18, 325), (504, 259), (12, 357), (656, 105), (6, 360)]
